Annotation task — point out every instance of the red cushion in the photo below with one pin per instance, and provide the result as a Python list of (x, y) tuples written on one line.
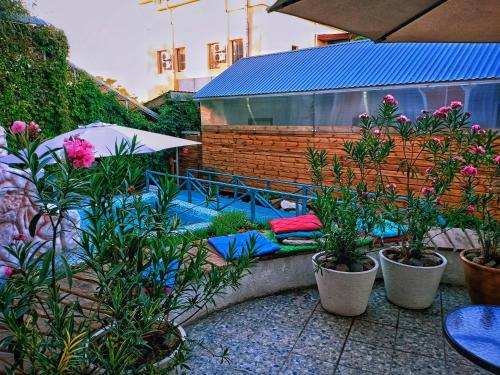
[(294, 224)]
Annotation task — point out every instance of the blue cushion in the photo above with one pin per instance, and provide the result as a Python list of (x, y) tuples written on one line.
[(172, 268), (241, 244), (305, 234)]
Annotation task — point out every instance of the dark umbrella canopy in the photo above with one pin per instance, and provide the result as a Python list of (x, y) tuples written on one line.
[(404, 20)]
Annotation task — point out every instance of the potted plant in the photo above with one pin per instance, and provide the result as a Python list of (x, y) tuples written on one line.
[(143, 278), (428, 161), (479, 212), (344, 272)]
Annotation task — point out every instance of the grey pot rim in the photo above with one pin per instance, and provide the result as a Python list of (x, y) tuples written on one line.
[(373, 269), (385, 259)]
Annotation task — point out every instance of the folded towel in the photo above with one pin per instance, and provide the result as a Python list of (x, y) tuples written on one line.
[(290, 241), (294, 224), (387, 230), (241, 243), (302, 234)]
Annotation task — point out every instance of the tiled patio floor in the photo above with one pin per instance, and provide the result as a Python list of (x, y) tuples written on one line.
[(290, 333)]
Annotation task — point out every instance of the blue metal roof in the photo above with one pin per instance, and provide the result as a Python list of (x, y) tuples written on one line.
[(356, 64)]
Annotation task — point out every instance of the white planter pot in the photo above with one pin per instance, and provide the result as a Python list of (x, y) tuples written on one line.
[(164, 363), (411, 287), (344, 293)]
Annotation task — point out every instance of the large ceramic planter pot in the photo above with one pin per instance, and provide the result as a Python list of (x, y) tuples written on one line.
[(483, 283), (408, 286), (344, 293), (161, 363)]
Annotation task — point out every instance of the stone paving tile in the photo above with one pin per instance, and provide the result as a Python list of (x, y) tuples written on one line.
[(319, 344), (278, 334), (373, 333), (365, 357), (458, 364), (428, 320), (379, 309), (329, 323), (421, 343), (410, 363), (453, 297), (304, 365), (343, 370)]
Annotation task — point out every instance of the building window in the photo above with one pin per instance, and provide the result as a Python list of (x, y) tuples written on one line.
[(236, 50), (327, 39), (164, 61), (180, 59), (216, 55), (294, 47)]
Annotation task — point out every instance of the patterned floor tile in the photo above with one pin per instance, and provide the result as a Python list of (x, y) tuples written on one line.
[(330, 323), (373, 333), (409, 363), (303, 365), (320, 345), (428, 320), (343, 370), (421, 343), (365, 357)]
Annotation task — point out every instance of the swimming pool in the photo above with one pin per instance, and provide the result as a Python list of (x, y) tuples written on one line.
[(192, 217)]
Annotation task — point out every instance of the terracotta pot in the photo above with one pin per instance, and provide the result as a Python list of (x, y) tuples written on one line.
[(483, 283), (408, 286), (344, 293)]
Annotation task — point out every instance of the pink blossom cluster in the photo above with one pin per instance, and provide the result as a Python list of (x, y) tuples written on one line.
[(364, 116), (80, 152), (377, 132), (18, 127), (497, 159), (33, 130), (428, 190), (469, 170), (477, 150), (389, 99), (403, 119), (8, 271), (475, 128), (392, 186), (442, 112), (456, 104)]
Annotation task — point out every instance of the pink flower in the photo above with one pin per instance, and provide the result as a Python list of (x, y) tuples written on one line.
[(80, 152), (470, 208), (389, 99), (18, 127), (469, 170), (364, 116), (428, 190), (477, 150), (475, 128), (429, 170), (436, 140), (439, 114), (392, 186), (33, 130), (19, 237), (8, 271), (419, 118), (364, 194), (403, 118), (455, 104), (438, 202), (497, 159), (377, 132)]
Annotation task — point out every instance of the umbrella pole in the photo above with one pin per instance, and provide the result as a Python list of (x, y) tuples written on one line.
[(177, 164)]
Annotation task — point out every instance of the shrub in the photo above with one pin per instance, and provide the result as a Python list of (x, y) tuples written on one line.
[(229, 223)]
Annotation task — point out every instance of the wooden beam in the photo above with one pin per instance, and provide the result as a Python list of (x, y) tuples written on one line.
[(171, 7)]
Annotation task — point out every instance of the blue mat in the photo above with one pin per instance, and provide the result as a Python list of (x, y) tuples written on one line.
[(305, 234), (172, 268), (241, 244)]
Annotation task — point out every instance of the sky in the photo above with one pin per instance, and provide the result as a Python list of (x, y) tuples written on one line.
[(120, 34)]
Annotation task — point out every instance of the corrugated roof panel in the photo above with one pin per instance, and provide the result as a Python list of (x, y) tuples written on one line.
[(356, 64)]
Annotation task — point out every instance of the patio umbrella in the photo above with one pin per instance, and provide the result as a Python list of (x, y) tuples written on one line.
[(403, 20), (104, 137)]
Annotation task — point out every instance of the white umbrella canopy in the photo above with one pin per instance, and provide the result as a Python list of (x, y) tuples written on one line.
[(104, 137), (403, 20)]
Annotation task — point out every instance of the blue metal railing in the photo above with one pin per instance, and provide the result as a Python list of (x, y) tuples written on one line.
[(239, 191)]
